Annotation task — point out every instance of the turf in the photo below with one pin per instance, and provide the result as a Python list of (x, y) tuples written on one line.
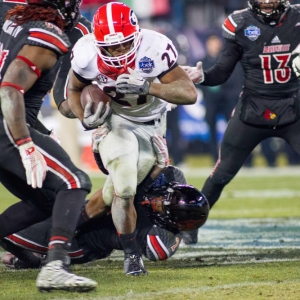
[(202, 272)]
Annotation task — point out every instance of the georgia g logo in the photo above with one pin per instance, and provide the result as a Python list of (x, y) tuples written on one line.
[(133, 18)]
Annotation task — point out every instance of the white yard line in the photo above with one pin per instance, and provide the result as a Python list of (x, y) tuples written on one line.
[(244, 172)]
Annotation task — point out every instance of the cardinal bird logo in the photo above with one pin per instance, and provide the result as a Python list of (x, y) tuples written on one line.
[(269, 115)]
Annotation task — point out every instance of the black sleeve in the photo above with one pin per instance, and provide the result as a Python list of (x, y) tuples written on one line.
[(161, 244), (99, 163), (166, 72), (39, 126), (82, 79), (221, 71), (60, 85)]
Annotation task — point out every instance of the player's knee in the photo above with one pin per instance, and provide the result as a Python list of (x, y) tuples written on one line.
[(125, 193), (79, 179), (85, 180)]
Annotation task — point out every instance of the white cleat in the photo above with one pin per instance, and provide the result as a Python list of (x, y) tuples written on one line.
[(54, 276)]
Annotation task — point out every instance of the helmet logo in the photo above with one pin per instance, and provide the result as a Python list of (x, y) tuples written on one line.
[(252, 32), (133, 18)]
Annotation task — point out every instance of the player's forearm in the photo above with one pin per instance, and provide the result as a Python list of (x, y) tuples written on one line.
[(74, 103), (13, 109), (221, 71), (178, 92), (74, 89)]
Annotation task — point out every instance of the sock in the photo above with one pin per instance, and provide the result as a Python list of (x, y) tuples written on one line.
[(83, 218), (129, 243), (59, 244)]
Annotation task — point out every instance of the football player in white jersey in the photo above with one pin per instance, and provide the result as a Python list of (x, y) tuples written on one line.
[(138, 69)]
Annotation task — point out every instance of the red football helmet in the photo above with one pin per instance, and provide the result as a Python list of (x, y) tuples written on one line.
[(116, 23)]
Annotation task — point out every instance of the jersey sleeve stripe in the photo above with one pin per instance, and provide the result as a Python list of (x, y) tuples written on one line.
[(24, 243), (229, 26), (76, 254), (16, 2), (83, 29), (45, 37), (157, 247), (49, 45)]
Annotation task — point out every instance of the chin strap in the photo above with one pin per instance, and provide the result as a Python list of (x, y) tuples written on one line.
[(112, 72)]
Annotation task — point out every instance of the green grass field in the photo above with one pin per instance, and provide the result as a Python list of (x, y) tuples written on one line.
[(248, 249)]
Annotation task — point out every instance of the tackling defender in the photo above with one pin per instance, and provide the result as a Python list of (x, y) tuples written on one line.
[(168, 208)]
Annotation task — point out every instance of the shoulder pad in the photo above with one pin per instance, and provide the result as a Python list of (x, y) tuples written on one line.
[(47, 35), (81, 58), (233, 23), (82, 28), (157, 45)]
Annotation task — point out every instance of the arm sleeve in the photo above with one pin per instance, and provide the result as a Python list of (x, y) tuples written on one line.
[(39, 126), (60, 85), (161, 243), (221, 71)]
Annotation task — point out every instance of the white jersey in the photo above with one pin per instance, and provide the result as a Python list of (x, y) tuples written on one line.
[(155, 55)]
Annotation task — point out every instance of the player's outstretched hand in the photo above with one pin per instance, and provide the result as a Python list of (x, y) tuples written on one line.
[(195, 73), (296, 65), (33, 162), (161, 151), (132, 83), (94, 120), (98, 135)]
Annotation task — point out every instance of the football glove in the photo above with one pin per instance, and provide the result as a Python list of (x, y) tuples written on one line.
[(161, 151), (296, 65), (132, 83), (34, 164), (98, 135), (196, 74), (92, 121)]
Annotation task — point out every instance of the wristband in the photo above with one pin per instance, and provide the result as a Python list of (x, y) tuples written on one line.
[(22, 141)]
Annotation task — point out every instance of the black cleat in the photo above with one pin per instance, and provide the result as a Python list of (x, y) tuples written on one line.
[(134, 265)]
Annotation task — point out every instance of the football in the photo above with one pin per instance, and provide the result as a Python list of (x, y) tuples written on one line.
[(93, 93)]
